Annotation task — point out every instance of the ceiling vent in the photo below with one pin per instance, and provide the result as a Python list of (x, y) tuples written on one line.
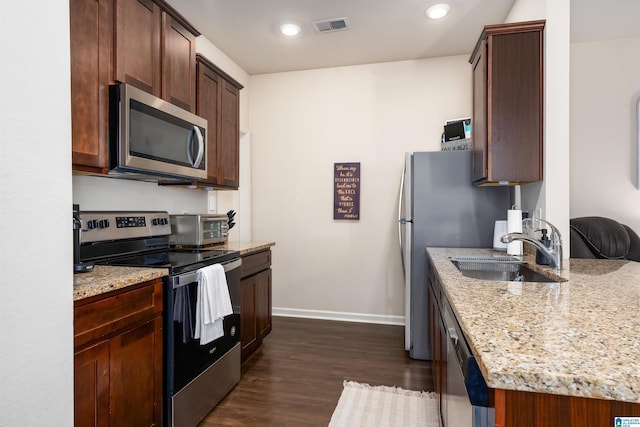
[(330, 25)]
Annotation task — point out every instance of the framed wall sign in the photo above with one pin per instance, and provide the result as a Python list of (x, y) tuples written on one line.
[(346, 191)]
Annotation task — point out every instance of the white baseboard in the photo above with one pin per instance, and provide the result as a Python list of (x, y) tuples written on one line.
[(340, 316)]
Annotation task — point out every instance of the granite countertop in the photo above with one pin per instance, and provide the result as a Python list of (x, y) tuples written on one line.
[(248, 247), (580, 337), (103, 278)]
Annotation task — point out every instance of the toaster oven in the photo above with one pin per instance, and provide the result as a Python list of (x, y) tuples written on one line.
[(198, 230)]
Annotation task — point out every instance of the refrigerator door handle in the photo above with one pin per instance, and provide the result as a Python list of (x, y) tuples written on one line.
[(404, 237), (401, 220)]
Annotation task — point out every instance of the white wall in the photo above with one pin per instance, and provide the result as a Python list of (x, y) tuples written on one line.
[(304, 122), (552, 194), (604, 90), (36, 308), (102, 193)]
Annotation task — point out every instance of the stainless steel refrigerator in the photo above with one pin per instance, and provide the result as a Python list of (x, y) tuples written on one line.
[(440, 207)]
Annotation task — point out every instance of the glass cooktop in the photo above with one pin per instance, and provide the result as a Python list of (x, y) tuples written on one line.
[(176, 260)]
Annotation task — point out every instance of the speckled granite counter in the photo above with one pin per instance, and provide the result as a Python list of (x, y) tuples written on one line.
[(103, 279), (579, 338), (248, 247)]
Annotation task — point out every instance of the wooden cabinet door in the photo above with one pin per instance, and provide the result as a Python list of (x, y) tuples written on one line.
[(442, 345), (255, 309), (515, 126), (118, 363), (229, 148), (508, 104), (263, 303), (137, 44), (218, 101), (178, 64), (479, 162), (207, 106), (248, 332), (90, 66), (91, 386), (433, 330), (136, 376)]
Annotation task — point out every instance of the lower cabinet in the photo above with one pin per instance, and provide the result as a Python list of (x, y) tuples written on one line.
[(91, 386), (255, 308), (437, 337), (118, 357)]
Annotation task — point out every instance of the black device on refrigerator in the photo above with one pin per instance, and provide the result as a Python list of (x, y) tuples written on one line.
[(439, 207), (196, 377)]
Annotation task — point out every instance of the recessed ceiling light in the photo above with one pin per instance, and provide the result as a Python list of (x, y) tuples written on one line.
[(290, 30), (438, 11)]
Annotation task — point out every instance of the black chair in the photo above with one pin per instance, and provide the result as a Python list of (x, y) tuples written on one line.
[(598, 237)]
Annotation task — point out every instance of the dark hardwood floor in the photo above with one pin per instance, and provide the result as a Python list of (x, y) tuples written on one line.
[(295, 379)]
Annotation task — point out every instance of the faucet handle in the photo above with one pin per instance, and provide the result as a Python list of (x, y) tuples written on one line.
[(528, 226), (528, 223)]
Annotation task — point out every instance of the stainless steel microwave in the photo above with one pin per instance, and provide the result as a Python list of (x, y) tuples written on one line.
[(153, 137)]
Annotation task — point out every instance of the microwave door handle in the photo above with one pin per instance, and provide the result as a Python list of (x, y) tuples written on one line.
[(195, 131)]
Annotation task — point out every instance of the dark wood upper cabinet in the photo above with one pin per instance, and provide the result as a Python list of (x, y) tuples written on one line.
[(137, 44), (218, 101), (178, 64), (90, 67), (508, 104), (229, 150), (144, 43)]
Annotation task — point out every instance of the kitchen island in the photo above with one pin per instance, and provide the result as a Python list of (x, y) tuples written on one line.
[(562, 353)]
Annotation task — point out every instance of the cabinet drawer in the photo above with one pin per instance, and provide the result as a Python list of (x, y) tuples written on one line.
[(103, 315), (435, 283), (254, 263)]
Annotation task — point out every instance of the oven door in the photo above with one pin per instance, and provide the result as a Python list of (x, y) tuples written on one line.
[(186, 358)]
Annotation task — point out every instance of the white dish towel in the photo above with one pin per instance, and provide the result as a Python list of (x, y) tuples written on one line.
[(212, 304)]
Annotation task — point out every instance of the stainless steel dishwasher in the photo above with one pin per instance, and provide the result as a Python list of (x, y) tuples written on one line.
[(466, 399)]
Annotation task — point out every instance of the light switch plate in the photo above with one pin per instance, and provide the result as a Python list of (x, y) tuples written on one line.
[(211, 201)]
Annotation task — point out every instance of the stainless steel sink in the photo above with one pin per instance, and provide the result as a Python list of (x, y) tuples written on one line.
[(501, 268)]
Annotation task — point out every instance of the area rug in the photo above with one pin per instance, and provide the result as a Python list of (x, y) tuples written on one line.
[(381, 406)]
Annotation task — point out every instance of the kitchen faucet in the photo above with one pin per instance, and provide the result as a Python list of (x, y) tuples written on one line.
[(553, 252)]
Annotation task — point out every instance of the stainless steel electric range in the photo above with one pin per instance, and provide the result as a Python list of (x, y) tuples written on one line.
[(196, 377)]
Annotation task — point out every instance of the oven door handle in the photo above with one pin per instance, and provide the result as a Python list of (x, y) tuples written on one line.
[(185, 279)]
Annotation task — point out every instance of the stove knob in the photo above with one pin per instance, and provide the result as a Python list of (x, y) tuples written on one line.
[(92, 224), (165, 221), (103, 223), (154, 221)]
